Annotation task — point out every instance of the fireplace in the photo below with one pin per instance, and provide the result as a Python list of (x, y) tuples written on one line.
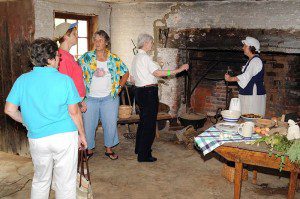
[(211, 92), (211, 51), (281, 80)]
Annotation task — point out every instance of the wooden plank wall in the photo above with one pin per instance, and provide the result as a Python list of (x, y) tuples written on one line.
[(16, 32)]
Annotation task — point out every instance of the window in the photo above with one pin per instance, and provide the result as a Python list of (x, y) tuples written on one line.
[(83, 44)]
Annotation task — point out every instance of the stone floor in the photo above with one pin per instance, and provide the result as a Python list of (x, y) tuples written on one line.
[(178, 173)]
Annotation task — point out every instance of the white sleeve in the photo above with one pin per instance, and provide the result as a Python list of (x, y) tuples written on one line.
[(151, 65), (133, 66), (253, 69)]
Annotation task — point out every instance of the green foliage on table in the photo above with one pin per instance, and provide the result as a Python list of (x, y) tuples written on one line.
[(294, 152), (281, 147), (277, 142)]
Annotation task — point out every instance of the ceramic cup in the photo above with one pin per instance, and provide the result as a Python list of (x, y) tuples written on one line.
[(246, 129)]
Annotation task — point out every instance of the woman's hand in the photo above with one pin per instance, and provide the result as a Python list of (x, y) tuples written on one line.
[(82, 144), (99, 72), (120, 89), (184, 67), (83, 107), (164, 73), (227, 77), (131, 79)]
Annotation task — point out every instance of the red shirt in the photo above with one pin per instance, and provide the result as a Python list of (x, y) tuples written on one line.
[(70, 67)]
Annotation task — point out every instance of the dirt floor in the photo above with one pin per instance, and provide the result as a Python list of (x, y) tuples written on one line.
[(178, 173)]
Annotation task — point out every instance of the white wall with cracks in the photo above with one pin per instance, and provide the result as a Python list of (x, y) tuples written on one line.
[(130, 19), (44, 13), (237, 14), (125, 21)]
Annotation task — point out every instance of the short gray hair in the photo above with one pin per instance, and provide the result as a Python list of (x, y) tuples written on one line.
[(142, 39), (103, 34)]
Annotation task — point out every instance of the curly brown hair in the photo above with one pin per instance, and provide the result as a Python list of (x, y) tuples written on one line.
[(41, 50)]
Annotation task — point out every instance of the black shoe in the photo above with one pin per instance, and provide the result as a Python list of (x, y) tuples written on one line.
[(149, 159), (154, 158)]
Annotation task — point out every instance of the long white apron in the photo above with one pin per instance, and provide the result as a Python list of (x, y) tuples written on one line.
[(254, 103)]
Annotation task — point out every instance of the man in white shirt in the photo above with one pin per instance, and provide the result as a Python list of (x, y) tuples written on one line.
[(145, 73)]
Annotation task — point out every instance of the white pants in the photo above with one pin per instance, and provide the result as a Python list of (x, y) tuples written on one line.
[(56, 156)]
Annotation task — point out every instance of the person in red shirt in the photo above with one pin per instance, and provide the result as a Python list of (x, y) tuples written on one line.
[(66, 35)]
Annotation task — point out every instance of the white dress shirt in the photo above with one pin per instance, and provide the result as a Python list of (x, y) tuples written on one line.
[(143, 68), (255, 104)]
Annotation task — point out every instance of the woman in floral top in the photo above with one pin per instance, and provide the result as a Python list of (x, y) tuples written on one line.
[(102, 72)]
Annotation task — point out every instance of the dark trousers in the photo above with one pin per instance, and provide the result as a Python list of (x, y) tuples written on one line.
[(147, 100)]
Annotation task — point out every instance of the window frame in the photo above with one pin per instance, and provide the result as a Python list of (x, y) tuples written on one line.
[(77, 17)]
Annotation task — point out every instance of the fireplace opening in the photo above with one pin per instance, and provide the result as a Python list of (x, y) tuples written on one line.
[(212, 50), (206, 91)]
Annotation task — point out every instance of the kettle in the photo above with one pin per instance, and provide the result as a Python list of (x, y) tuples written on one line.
[(235, 104)]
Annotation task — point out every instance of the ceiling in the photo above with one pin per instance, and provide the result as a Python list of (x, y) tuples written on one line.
[(151, 1)]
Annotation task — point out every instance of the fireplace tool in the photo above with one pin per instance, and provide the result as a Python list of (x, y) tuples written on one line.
[(134, 50), (184, 120), (217, 117)]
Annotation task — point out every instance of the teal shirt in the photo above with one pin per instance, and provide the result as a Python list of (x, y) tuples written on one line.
[(43, 96)]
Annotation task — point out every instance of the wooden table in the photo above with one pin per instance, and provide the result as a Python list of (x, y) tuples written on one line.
[(257, 156)]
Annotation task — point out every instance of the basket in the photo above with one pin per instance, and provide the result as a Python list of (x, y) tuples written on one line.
[(125, 111), (228, 173)]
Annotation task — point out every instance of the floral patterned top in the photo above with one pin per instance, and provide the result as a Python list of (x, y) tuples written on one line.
[(115, 65)]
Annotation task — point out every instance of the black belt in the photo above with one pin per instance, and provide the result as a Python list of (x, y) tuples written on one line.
[(149, 85)]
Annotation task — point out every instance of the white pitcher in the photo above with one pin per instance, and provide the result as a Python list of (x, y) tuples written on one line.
[(235, 104)]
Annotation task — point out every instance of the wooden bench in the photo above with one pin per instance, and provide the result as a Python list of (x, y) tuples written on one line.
[(136, 118)]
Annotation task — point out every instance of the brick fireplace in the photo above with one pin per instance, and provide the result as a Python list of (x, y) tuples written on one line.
[(281, 81), (219, 48)]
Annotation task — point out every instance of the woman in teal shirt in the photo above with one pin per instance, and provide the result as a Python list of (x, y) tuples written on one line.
[(49, 110)]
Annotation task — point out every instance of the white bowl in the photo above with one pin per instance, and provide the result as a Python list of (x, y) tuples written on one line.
[(231, 115), (247, 119)]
